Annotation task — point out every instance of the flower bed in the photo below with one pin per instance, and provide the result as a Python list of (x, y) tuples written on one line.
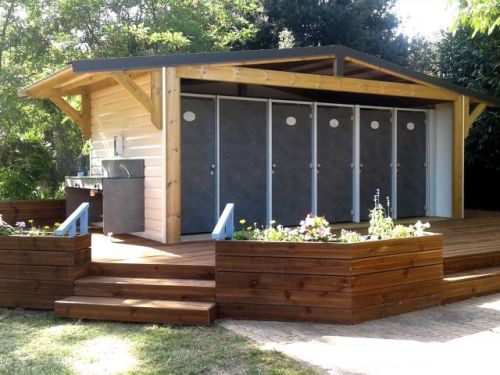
[(308, 274), (328, 282)]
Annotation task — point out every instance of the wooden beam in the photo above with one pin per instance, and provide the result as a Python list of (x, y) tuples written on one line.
[(173, 154), (156, 98), (388, 71), (312, 81), (473, 117), (134, 89), (82, 80), (66, 108), (81, 119), (460, 114), (47, 83), (86, 115), (273, 61)]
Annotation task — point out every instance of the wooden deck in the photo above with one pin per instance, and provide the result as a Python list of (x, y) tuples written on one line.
[(134, 279), (477, 235), (132, 249)]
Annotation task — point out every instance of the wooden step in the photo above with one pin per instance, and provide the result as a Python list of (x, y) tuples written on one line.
[(155, 288), (136, 310), (158, 270), (468, 262), (463, 285)]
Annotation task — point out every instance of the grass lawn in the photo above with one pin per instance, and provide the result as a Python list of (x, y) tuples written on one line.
[(34, 342)]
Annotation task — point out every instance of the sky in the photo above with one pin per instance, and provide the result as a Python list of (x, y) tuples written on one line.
[(424, 17)]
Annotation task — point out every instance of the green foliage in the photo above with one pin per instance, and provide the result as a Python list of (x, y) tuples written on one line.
[(113, 28), (481, 15), (348, 236), (475, 63), (38, 144), (368, 25), (317, 229), (381, 225)]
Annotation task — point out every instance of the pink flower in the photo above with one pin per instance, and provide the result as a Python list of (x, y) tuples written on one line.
[(21, 224)]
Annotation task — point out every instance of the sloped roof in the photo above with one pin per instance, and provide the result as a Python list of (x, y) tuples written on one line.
[(338, 51)]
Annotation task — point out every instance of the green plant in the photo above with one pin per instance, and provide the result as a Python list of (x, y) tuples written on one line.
[(6, 229), (381, 225), (20, 229), (347, 236)]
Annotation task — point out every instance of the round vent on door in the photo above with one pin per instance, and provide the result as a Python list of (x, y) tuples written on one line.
[(334, 123), (189, 116), (410, 126), (374, 125), (291, 121)]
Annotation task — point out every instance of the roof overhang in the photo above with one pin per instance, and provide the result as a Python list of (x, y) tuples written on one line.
[(87, 75)]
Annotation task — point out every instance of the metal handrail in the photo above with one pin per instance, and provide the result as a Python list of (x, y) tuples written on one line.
[(225, 226), (81, 214)]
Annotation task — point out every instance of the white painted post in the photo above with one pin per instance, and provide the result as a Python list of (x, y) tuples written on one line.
[(356, 165), (315, 166), (394, 166), (269, 160)]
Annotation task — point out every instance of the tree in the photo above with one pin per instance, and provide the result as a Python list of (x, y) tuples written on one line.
[(38, 144), (366, 25), (115, 28), (481, 15), (474, 63)]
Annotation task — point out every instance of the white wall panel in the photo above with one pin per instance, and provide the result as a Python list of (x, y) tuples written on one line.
[(115, 112)]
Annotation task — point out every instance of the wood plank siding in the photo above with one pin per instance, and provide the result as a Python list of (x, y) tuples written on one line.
[(116, 112)]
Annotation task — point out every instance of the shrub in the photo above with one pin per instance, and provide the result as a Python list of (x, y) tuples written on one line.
[(317, 229)]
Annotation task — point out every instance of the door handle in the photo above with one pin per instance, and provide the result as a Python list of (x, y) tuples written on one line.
[(212, 169)]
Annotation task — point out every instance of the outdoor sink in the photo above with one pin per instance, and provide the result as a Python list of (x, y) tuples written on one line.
[(123, 168)]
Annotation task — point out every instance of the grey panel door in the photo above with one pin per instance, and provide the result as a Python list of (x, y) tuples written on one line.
[(291, 159), (198, 165), (411, 151), (243, 129), (375, 157), (335, 148)]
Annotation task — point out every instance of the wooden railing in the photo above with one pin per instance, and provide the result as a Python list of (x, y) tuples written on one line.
[(225, 226), (81, 215)]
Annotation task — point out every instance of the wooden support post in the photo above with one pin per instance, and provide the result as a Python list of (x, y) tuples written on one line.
[(173, 155), (460, 114), (156, 99), (338, 66), (86, 115)]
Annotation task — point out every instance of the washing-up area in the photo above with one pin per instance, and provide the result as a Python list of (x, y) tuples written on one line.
[(115, 192)]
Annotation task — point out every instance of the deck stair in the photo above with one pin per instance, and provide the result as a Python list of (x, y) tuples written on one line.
[(471, 275), (143, 292)]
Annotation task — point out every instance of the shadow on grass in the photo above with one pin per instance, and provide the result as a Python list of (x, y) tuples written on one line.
[(20, 351), (34, 342)]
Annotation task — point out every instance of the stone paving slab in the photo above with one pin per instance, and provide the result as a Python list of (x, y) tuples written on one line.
[(459, 338)]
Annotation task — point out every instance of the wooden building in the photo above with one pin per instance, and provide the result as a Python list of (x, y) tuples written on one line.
[(280, 133)]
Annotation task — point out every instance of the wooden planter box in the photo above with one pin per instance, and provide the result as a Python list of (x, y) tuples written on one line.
[(36, 271), (46, 212), (328, 282)]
